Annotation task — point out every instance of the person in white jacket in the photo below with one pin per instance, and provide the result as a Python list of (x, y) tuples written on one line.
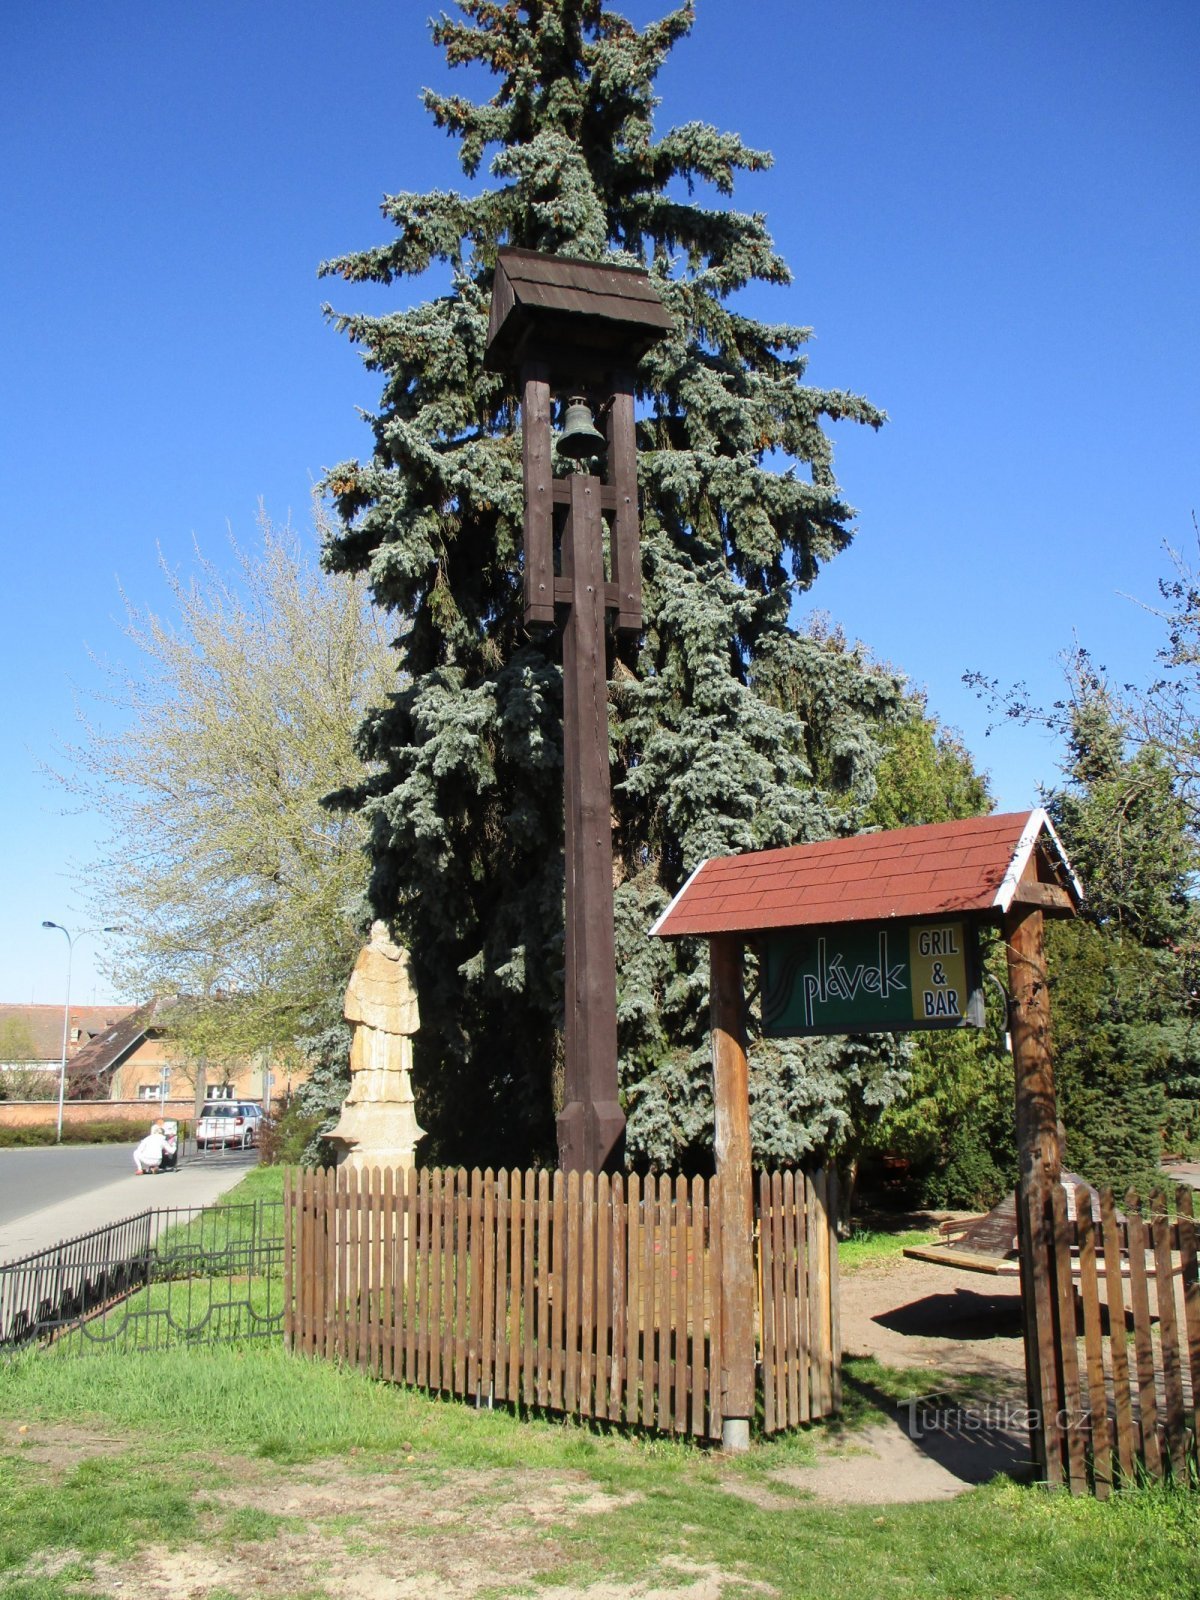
[(148, 1155)]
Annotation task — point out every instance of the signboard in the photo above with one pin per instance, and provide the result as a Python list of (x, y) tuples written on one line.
[(871, 978)]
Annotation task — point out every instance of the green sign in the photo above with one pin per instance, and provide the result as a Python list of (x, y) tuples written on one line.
[(876, 978)]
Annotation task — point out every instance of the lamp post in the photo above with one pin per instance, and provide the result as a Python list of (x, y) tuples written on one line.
[(62, 1071)]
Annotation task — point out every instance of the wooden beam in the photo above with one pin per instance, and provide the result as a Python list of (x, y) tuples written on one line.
[(560, 490), (591, 1125), (1040, 1163), (539, 506), (564, 590), (622, 464), (731, 1100), (1046, 896)]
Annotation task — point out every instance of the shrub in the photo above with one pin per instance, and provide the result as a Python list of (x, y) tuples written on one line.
[(284, 1140), (116, 1131)]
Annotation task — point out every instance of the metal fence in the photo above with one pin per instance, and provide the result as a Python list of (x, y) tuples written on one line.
[(174, 1275)]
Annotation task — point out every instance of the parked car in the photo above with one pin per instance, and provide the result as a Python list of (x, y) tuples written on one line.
[(226, 1122)]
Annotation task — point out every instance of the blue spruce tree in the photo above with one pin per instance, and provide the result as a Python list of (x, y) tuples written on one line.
[(730, 730)]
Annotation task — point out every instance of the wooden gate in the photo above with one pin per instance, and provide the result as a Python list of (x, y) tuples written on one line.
[(596, 1297), (1112, 1337)]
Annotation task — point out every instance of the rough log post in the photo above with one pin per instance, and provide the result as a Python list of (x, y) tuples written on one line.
[(1037, 1150), (731, 1098), (591, 1125)]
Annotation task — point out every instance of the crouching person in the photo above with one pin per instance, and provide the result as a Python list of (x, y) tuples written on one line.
[(149, 1154)]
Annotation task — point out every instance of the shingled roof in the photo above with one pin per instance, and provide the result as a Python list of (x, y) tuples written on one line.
[(42, 1027), (941, 869), (102, 1055)]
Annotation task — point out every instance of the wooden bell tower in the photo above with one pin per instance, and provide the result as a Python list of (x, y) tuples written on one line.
[(574, 330)]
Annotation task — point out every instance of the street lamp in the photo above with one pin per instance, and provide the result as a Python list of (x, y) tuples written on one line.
[(62, 1071)]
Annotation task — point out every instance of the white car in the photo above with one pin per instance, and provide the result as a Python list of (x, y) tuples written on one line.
[(228, 1122)]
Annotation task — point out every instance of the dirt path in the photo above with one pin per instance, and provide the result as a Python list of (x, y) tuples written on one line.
[(913, 1313), (963, 1325)]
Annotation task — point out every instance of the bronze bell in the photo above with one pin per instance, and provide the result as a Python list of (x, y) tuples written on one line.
[(580, 437)]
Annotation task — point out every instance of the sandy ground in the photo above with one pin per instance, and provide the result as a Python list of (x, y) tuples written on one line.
[(966, 1328), (913, 1314)]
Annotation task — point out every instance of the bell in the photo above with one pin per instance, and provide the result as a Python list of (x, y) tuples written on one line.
[(580, 437)]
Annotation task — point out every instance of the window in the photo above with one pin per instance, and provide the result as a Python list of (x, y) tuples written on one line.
[(148, 1091)]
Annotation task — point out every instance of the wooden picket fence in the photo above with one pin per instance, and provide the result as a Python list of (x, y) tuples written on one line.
[(1115, 1352), (799, 1332), (594, 1296)]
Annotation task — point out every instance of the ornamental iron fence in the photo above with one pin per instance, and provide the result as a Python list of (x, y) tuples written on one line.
[(168, 1276)]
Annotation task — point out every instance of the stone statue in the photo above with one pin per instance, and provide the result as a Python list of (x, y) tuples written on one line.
[(378, 1126)]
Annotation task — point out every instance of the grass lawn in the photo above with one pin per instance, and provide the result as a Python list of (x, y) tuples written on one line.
[(225, 1471), (869, 1247), (240, 1470)]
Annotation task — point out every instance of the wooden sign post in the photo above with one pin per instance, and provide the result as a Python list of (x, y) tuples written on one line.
[(878, 933), (1038, 1150), (578, 327), (735, 1187)]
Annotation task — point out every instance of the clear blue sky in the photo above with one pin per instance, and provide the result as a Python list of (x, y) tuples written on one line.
[(990, 210)]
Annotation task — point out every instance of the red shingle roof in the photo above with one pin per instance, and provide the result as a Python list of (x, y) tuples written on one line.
[(935, 870), (41, 1026)]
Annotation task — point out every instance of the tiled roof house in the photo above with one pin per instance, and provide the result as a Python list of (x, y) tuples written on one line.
[(39, 1029)]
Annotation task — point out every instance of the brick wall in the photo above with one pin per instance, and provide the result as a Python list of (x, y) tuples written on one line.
[(31, 1113)]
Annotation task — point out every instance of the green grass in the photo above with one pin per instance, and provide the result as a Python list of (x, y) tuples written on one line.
[(868, 1247), (185, 1427), (260, 1183), (184, 1424)]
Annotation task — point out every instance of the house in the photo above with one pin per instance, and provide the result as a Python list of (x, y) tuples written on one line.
[(31, 1037), (136, 1059)]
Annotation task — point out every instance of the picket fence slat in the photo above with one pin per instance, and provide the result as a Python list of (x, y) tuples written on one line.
[(1065, 1331), (595, 1296), (1164, 1286), (1142, 1344), (1097, 1397), (528, 1268), (603, 1291), (587, 1294), (633, 1299), (1189, 1274), (1129, 1398)]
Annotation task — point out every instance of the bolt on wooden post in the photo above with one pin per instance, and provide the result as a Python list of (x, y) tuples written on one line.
[(576, 329)]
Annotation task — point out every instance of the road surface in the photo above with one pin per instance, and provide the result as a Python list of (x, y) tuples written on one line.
[(31, 1180)]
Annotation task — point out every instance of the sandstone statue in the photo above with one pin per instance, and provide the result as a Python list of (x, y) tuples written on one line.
[(378, 1126)]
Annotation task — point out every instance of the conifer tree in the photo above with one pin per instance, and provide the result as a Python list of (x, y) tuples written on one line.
[(720, 715)]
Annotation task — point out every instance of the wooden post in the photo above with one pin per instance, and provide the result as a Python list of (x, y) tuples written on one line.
[(731, 1099), (622, 460), (591, 1125), (539, 509), (1039, 1157), (579, 327)]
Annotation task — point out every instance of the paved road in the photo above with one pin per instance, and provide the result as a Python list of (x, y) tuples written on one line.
[(31, 1179), (53, 1194)]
